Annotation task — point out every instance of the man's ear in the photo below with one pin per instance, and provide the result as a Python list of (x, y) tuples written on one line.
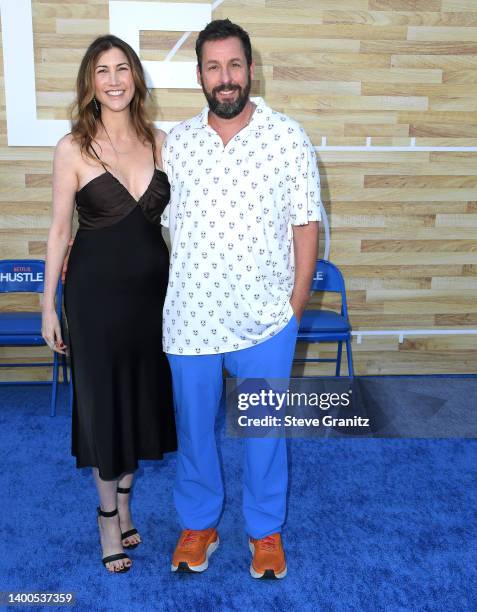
[(199, 76), (252, 70)]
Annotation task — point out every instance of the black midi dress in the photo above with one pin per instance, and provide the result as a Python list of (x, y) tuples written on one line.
[(114, 295)]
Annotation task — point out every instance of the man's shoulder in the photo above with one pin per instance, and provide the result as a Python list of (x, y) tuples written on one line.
[(184, 128), (280, 120)]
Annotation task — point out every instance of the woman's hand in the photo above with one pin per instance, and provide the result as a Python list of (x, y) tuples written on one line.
[(51, 331)]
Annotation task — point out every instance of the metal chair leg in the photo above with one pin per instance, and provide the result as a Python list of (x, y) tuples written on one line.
[(65, 369), (349, 356), (54, 385), (338, 358)]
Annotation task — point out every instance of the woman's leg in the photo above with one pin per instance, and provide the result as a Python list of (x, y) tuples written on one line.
[(109, 530), (125, 482)]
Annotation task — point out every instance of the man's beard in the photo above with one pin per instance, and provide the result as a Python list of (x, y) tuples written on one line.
[(228, 110)]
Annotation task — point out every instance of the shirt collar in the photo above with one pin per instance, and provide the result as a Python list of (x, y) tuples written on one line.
[(258, 121)]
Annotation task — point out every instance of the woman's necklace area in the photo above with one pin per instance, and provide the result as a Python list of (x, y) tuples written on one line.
[(116, 151)]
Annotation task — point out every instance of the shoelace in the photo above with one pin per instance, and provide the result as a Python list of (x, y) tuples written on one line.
[(190, 537), (268, 543)]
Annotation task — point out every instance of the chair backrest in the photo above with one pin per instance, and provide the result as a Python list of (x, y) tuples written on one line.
[(22, 275), (25, 276), (328, 277)]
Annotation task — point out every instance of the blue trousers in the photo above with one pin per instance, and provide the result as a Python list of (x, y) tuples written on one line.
[(198, 491)]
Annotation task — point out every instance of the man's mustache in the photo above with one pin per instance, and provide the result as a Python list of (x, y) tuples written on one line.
[(224, 87)]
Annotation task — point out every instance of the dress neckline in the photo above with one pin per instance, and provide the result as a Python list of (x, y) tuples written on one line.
[(107, 172)]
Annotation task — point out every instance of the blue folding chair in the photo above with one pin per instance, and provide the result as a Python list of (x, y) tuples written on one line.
[(327, 325), (24, 328)]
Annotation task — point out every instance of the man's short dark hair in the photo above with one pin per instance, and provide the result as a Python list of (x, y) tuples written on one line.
[(220, 29)]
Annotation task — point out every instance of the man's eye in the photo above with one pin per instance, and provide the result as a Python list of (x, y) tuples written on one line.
[(212, 67), (236, 65)]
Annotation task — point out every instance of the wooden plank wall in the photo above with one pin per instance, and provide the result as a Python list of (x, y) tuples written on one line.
[(403, 223)]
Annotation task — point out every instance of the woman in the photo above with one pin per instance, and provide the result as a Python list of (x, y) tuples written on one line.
[(115, 284)]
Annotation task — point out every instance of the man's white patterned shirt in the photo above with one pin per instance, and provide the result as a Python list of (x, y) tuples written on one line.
[(230, 219)]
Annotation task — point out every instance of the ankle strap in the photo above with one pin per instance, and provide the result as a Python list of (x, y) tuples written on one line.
[(123, 490), (107, 514)]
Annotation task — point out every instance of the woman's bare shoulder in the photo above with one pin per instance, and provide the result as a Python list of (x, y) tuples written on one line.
[(68, 149)]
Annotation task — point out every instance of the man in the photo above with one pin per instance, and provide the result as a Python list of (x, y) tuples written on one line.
[(243, 214)]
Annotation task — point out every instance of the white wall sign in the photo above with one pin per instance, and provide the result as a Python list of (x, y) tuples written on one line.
[(126, 20)]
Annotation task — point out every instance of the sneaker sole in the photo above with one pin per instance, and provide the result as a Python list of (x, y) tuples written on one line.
[(268, 573), (192, 569)]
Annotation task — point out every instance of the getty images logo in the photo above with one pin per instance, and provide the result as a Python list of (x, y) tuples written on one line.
[(21, 274)]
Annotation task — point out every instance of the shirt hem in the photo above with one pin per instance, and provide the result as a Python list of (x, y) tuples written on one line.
[(244, 344)]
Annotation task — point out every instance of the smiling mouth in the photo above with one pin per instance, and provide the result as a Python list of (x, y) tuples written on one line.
[(115, 92)]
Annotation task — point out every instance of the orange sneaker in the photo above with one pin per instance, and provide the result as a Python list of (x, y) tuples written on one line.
[(268, 557), (194, 549)]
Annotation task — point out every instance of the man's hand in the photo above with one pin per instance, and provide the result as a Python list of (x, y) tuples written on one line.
[(298, 308)]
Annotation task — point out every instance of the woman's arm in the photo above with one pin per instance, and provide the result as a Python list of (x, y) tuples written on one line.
[(65, 185)]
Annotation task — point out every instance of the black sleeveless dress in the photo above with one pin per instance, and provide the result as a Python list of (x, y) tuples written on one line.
[(114, 295)]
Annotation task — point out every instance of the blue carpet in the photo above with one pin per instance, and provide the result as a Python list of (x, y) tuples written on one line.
[(372, 525)]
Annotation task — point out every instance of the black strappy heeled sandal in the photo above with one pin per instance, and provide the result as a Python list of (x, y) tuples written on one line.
[(118, 556), (131, 532)]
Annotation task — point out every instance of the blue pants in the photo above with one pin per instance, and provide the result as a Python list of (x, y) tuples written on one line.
[(198, 490)]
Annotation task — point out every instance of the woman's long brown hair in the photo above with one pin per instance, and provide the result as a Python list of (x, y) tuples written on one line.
[(87, 118)]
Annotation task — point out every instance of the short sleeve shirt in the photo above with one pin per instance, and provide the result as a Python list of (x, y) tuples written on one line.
[(230, 219)]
